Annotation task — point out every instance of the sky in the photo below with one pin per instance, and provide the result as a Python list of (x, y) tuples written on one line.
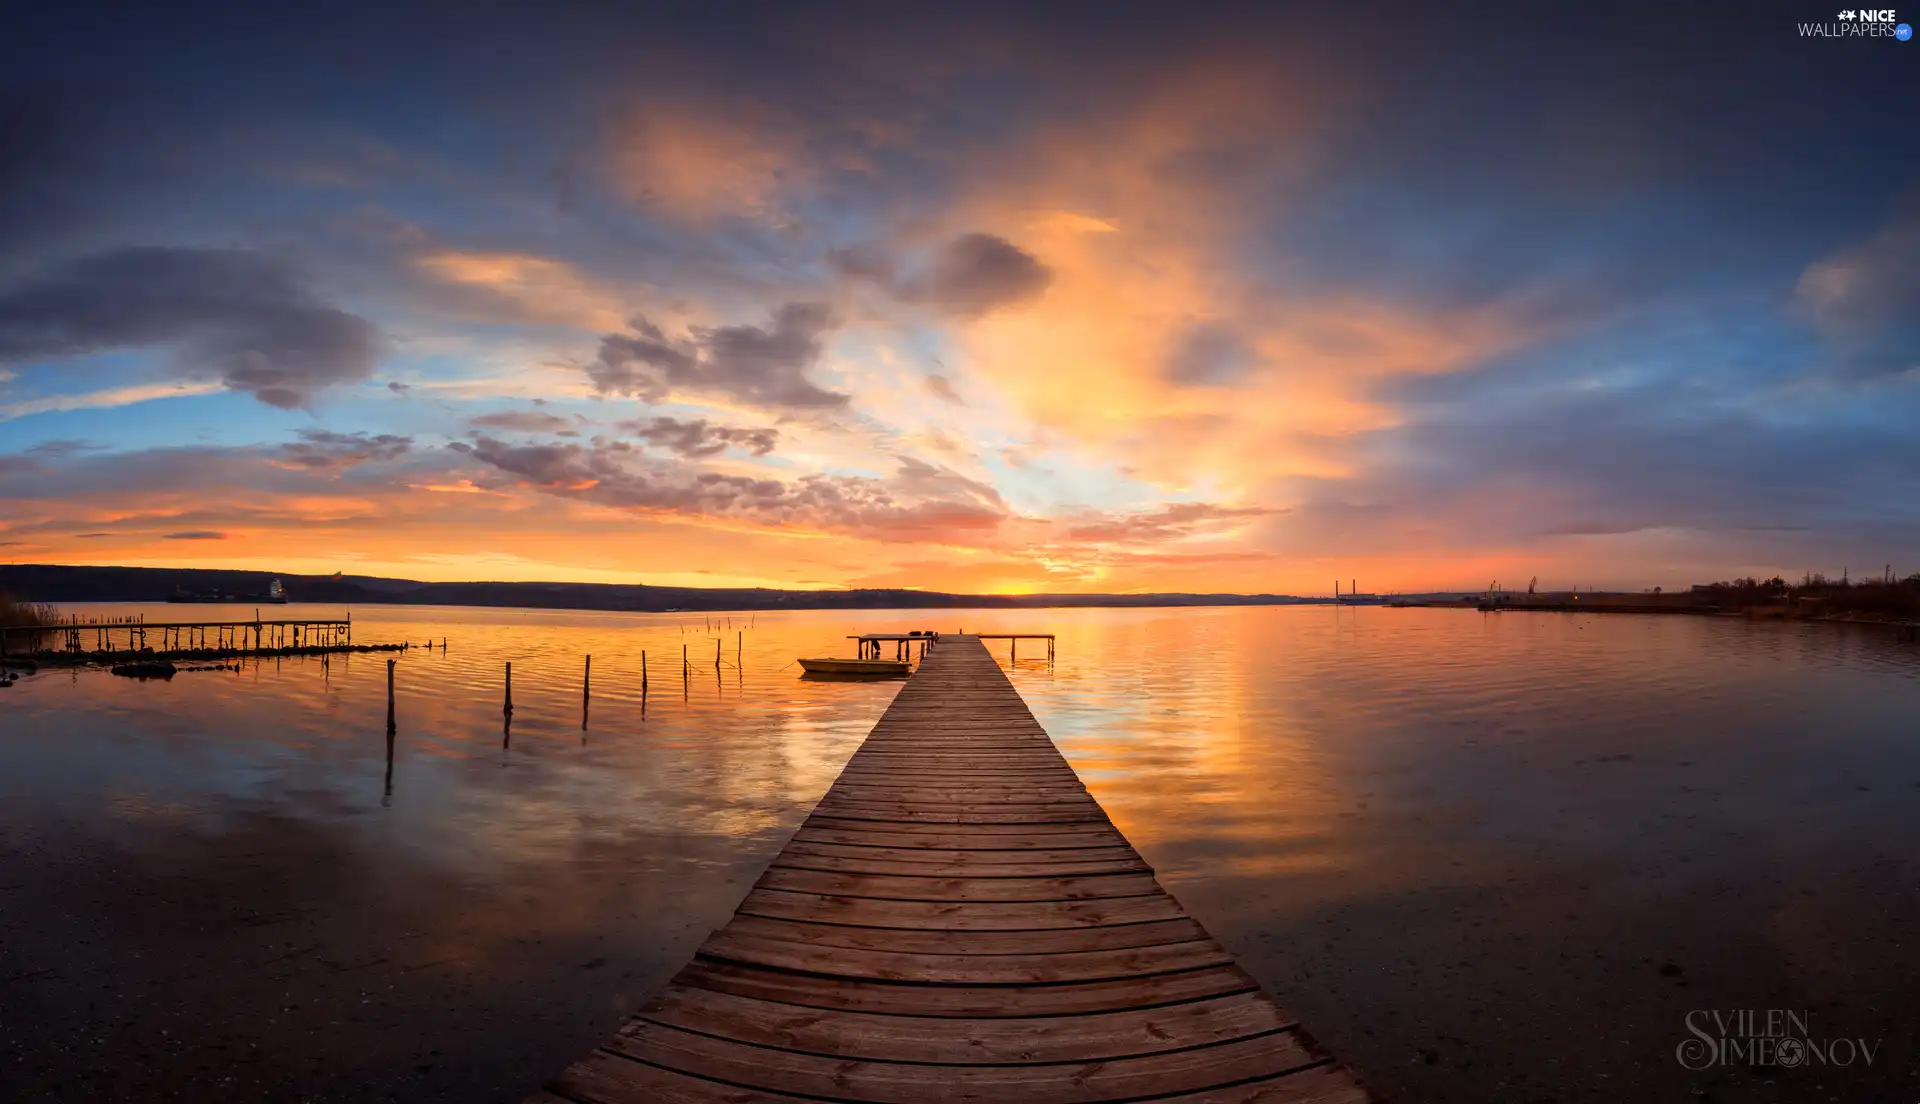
[(988, 298)]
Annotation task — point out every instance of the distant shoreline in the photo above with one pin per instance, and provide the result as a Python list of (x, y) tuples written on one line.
[(57, 583), (1894, 603)]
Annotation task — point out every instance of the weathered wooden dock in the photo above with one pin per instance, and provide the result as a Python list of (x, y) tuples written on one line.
[(179, 636), (1014, 639), (958, 920), (903, 643)]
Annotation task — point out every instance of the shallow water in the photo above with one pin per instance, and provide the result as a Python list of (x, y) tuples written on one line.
[(1483, 857)]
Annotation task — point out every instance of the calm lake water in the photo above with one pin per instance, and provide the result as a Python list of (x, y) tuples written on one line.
[(1483, 857)]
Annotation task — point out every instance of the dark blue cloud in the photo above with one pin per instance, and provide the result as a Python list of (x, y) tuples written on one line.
[(760, 366), (242, 317)]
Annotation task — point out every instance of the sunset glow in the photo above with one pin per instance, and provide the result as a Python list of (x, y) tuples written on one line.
[(937, 303)]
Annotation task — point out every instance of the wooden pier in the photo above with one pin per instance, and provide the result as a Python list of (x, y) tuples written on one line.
[(180, 636), (958, 920), (903, 642), (1014, 639)]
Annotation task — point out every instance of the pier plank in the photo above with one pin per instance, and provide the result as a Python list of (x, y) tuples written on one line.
[(806, 860), (917, 837), (958, 856), (1022, 815), (995, 1041), (958, 920), (974, 969), (936, 887), (965, 1001), (838, 1078), (959, 915), (1151, 933), (917, 806), (606, 1078), (987, 834)]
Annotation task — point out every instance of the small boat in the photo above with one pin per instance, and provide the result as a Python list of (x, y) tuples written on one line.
[(880, 668)]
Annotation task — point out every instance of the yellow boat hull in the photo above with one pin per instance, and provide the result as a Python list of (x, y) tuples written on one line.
[(876, 668)]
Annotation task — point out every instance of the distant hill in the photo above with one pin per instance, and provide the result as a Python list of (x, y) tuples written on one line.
[(57, 583)]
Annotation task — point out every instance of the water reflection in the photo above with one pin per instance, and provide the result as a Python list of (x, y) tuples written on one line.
[(1427, 829), (1465, 848)]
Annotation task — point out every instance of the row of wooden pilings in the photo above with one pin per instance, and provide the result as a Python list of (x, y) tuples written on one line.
[(586, 677)]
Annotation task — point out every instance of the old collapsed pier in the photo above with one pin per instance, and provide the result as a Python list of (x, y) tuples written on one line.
[(958, 920), (123, 640)]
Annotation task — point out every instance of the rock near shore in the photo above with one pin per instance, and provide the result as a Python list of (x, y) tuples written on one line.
[(160, 669)]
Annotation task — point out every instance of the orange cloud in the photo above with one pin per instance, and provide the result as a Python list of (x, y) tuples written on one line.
[(697, 163), (537, 288), (1145, 244)]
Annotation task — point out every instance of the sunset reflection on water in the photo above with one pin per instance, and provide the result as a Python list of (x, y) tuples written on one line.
[(1390, 815)]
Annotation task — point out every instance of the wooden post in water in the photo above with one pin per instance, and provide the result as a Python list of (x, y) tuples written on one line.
[(390, 664), (716, 653), (739, 650), (586, 692), (507, 708), (686, 669), (643, 672)]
